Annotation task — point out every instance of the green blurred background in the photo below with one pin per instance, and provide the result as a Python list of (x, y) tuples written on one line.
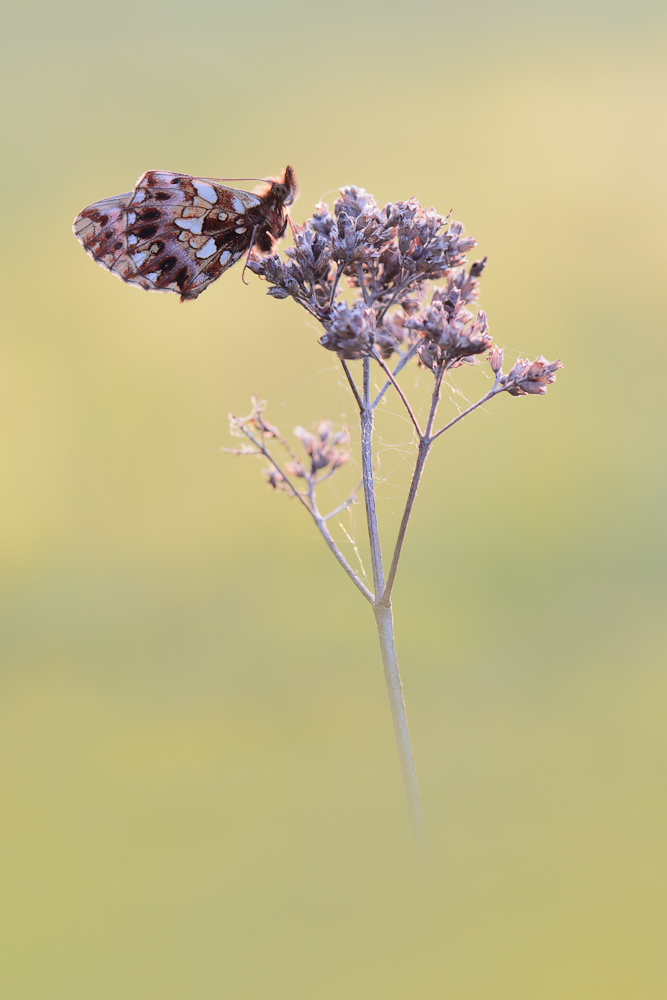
[(200, 791)]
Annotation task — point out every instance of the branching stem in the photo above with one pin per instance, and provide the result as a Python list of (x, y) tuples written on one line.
[(311, 507), (480, 402), (381, 599), (409, 354), (353, 387), (384, 622), (398, 389)]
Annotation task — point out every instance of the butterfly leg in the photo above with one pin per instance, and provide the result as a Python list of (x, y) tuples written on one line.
[(247, 257)]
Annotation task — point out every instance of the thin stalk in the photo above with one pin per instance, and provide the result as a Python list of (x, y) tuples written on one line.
[(334, 287), (400, 392), (326, 535), (401, 364), (263, 450), (311, 507), (480, 402), (369, 486), (385, 627), (344, 505), (348, 375), (422, 454)]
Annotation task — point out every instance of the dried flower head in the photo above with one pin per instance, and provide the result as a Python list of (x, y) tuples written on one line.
[(322, 447), (531, 378), (450, 331), (390, 256), (351, 331), (275, 480), (393, 334), (387, 254)]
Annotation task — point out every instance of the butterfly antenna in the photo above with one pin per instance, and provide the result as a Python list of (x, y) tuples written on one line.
[(261, 180)]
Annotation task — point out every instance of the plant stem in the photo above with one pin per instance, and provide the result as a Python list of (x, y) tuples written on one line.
[(385, 626), (400, 392), (369, 486), (311, 507), (493, 392), (422, 455), (326, 535), (410, 353), (425, 442)]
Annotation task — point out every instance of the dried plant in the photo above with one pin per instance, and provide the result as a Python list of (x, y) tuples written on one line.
[(411, 293)]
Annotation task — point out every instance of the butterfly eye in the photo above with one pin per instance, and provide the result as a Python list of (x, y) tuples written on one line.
[(280, 191)]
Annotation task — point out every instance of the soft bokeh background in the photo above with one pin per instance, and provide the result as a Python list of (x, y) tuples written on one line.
[(200, 793)]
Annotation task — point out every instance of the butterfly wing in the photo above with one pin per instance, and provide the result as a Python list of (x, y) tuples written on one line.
[(173, 233)]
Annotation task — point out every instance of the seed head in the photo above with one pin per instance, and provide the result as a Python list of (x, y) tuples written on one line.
[(351, 331), (322, 447), (450, 331), (531, 377)]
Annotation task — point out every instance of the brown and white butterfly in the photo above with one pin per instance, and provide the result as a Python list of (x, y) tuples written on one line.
[(177, 233)]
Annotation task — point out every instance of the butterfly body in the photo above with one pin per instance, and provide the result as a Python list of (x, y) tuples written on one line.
[(178, 233)]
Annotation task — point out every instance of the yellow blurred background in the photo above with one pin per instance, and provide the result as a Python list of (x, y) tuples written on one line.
[(199, 784)]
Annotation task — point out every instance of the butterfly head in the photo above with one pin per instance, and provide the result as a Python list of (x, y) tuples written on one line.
[(284, 190)]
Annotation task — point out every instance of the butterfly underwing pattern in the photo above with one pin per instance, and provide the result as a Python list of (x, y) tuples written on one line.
[(177, 233)]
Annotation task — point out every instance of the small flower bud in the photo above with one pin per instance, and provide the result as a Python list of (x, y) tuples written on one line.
[(477, 267), (495, 359), (275, 480), (321, 448)]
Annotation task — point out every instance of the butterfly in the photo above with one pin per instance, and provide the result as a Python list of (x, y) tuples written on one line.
[(178, 233)]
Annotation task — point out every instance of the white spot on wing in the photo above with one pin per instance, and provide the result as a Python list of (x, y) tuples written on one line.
[(208, 249), (193, 225), (139, 258), (131, 217), (131, 240), (138, 196), (205, 191), (238, 205), (241, 229), (222, 216), (153, 275), (224, 257), (247, 199)]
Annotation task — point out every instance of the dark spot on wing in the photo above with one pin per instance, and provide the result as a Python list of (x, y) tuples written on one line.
[(152, 213), (213, 225), (163, 196), (167, 264), (182, 277), (146, 232)]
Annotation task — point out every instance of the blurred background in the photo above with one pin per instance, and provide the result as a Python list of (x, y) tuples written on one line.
[(200, 788)]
